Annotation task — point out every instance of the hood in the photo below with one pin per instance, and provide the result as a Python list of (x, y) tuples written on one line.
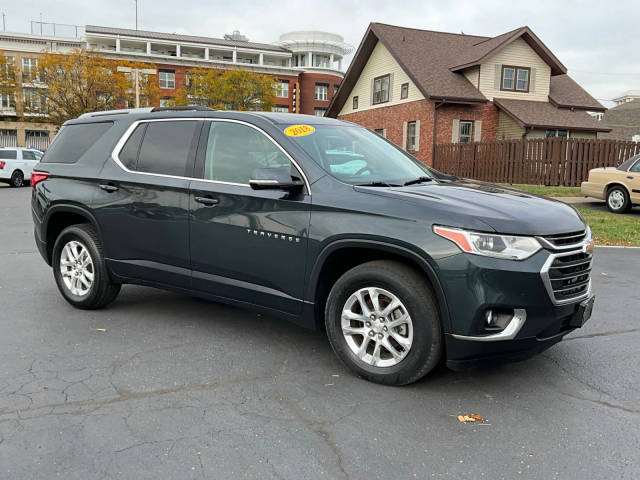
[(504, 209)]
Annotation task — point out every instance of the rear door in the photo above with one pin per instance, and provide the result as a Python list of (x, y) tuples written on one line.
[(247, 245), (142, 201)]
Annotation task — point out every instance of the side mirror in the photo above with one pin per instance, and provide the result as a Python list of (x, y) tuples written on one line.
[(274, 179)]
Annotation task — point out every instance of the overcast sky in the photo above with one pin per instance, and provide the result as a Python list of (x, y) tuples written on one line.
[(599, 42)]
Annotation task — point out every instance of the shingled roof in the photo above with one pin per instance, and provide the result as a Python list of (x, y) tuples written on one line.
[(530, 114), (433, 61)]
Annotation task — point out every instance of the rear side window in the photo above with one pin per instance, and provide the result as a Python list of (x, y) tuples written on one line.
[(8, 154), (73, 141), (168, 146), (129, 154), (28, 155)]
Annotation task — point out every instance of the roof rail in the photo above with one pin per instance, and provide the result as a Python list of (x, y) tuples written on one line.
[(116, 112), (185, 108)]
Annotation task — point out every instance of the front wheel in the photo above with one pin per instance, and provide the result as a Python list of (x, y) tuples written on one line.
[(382, 321), (79, 268), (618, 200)]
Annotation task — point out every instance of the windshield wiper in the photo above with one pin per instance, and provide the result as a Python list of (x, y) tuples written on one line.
[(417, 180), (377, 184)]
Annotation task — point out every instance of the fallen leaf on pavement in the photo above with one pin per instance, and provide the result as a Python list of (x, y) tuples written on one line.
[(101, 329), (470, 418)]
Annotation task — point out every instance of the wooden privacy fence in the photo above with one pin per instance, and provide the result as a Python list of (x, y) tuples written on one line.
[(548, 161)]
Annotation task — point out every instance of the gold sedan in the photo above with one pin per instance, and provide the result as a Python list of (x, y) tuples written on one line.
[(618, 186)]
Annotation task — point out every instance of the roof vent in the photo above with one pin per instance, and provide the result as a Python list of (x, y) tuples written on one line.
[(236, 36)]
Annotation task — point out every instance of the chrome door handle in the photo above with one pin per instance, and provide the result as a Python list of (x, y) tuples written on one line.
[(206, 201), (109, 188)]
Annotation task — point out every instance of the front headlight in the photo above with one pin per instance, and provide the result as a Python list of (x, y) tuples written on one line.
[(510, 247)]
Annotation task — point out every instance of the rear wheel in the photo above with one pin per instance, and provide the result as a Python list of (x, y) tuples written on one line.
[(382, 321), (79, 268), (618, 200), (17, 179)]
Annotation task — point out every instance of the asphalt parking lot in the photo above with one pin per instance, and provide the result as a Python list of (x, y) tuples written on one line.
[(177, 387)]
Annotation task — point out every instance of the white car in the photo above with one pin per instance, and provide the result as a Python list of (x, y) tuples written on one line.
[(16, 164)]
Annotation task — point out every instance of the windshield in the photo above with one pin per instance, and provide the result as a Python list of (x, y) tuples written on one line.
[(358, 156)]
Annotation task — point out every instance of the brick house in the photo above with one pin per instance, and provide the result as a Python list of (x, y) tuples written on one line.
[(420, 88)]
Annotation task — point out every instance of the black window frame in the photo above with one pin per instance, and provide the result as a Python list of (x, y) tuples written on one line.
[(375, 101)]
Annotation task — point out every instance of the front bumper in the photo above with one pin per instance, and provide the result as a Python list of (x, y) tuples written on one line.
[(474, 284)]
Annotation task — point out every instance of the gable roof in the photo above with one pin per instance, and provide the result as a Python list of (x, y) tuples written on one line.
[(564, 92), (527, 113), (482, 51)]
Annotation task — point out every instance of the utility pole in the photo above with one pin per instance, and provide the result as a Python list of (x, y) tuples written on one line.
[(136, 78), (136, 13), (4, 26)]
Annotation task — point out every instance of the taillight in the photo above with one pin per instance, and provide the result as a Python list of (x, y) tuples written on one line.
[(1, 165), (587, 179), (37, 177)]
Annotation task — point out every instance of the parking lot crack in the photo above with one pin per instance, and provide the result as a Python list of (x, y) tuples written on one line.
[(603, 334)]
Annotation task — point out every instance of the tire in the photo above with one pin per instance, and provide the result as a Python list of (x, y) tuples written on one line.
[(100, 291), (386, 279), (17, 179), (618, 200)]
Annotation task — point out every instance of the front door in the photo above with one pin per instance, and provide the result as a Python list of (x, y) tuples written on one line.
[(142, 202), (247, 245), (633, 182)]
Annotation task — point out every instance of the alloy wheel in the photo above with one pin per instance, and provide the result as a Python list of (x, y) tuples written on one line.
[(76, 267), (377, 327)]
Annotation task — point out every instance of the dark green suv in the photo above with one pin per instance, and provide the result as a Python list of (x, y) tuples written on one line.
[(315, 220)]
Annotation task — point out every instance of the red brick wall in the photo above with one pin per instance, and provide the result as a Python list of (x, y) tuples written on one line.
[(486, 112), (308, 81), (392, 118)]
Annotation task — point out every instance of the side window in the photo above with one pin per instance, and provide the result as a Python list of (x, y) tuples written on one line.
[(234, 151), (8, 154), (129, 154), (73, 141), (28, 155), (167, 147), (635, 168)]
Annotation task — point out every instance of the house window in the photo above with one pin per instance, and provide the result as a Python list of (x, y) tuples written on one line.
[(8, 66), (282, 90), (555, 132), (335, 88), (466, 128), (411, 136), (404, 90), (321, 91), (355, 102), (515, 78), (319, 112), (280, 109), (381, 132), (167, 78), (165, 102), (381, 89)]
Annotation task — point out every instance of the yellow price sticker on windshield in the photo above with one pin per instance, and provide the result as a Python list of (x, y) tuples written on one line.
[(299, 130)]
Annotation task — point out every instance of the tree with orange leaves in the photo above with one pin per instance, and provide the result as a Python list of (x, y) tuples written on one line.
[(81, 82)]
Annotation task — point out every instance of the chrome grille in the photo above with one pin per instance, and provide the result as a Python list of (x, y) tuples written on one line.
[(569, 276), (564, 239)]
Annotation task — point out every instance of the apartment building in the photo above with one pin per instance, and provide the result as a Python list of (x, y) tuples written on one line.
[(306, 66)]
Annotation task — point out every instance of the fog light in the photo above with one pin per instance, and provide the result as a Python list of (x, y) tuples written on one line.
[(497, 320)]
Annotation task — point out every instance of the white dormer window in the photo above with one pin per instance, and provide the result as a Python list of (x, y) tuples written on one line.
[(515, 79)]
